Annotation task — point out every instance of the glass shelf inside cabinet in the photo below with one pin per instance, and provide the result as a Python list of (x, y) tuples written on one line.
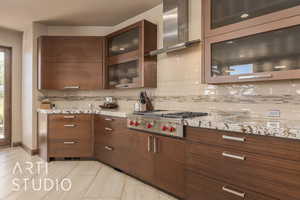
[(226, 12), (277, 50), (124, 75), (124, 43)]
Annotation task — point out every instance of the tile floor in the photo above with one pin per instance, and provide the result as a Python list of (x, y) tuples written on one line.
[(91, 180)]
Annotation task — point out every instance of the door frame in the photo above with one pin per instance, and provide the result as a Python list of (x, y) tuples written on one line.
[(7, 95)]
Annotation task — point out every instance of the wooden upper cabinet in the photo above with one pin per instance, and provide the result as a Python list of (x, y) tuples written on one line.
[(70, 62), (127, 63), (223, 16), (262, 44)]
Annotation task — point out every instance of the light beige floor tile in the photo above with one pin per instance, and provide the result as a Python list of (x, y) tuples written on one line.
[(79, 186), (136, 190), (86, 170), (108, 184)]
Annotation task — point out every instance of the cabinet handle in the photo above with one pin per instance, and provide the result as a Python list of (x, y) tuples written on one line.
[(108, 148), (149, 143), (155, 145), (108, 129), (69, 117), (71, 87), (255, 76), (239, 194), (69, 142), (69, 125), (233, 156), (108, 119), (238, 139)]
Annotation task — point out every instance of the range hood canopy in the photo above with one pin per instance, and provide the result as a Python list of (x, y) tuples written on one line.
[(176, 26)]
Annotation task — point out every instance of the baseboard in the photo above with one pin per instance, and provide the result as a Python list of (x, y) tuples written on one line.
[(30, 151), (16, 144)]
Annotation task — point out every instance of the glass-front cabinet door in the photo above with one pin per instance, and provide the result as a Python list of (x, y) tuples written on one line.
[(127, 63), (228, 15), (254, 56), (123, 63)]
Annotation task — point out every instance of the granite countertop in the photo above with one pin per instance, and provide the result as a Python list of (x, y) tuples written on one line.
[(243, 123), (84, 111)]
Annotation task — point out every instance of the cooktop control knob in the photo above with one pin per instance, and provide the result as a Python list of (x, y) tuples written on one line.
[(136, 123), (172, 129), (131, 123), (149, 125), (164, 128)]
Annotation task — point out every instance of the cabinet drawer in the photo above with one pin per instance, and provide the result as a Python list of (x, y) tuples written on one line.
[(70, 129), (70, 118), (70, 148), (284, 148), (116, 156), (202, 187), (268, 175), (113, 123)]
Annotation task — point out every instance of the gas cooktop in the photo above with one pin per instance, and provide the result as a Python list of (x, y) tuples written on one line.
[(163, 122)]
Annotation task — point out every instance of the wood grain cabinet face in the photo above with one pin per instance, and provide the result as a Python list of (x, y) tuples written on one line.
[(70, 136), (71, 63), (264, 165), (127, 63)]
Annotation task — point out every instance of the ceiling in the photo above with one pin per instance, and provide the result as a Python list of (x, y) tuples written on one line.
[(17, 14)]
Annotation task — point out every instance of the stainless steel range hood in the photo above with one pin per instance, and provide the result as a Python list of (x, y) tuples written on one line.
[(176, 26)]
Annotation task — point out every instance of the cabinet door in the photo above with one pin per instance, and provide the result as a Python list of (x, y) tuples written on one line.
[(169, 165), (255, 55), (142, 162), (71, 63), (223, 16)]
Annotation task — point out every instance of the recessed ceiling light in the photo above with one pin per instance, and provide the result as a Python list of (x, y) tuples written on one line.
[(245, 15), (280, 67)]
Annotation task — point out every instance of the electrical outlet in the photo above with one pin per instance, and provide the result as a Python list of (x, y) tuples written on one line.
[(273, 124), (274, 113)]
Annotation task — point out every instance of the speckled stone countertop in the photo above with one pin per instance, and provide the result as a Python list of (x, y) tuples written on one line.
[(84, 111), (243, 123)]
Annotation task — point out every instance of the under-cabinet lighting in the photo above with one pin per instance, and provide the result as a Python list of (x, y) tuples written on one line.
[(122, 49), (245, 15), (280, 67), (230, 42)]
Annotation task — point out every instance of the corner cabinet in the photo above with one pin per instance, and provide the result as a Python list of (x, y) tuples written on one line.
[(70, 63), (127, 64), (251, 41)]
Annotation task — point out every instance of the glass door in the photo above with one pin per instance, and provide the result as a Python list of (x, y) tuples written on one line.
[(5, 95)]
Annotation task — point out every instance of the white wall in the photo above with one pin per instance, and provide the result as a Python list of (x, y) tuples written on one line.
[(13, 39), (29, 84)]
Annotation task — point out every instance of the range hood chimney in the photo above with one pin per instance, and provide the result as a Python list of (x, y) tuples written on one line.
[(176, 26)]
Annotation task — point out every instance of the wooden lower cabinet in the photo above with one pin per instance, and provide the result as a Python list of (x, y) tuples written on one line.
[(154, 159), (227, 165), (201, 187), (65, 135)]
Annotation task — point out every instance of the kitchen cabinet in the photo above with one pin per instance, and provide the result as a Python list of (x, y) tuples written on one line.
[(65, 135), (264, 53), (127, 63), (70, 63), (113, 142), (223, 16), (241, 166)]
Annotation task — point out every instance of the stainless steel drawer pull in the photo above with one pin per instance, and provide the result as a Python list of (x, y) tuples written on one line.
[(255, 76), (238, 139), (149, 143), (69, 125), (155, 145), (69, 142), (69, 117), (233, 156), (108, 119), (108, 148), (239, 194), (71, 87), (108, 129)]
